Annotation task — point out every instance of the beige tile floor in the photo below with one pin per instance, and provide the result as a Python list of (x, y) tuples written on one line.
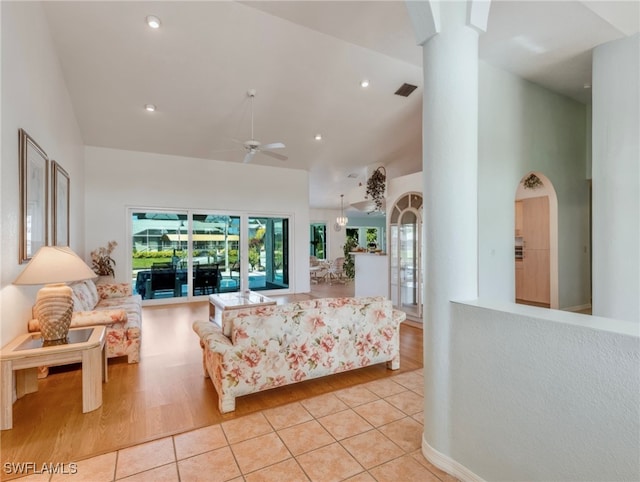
[(370, 432)]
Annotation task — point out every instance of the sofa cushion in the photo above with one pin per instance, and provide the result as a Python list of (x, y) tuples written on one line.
[(261, 312), (85, 295), (113, 290)]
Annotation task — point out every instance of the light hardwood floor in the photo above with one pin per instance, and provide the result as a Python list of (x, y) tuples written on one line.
[(165, 394)]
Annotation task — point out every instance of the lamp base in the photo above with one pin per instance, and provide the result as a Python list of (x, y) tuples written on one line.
[(53, 309)]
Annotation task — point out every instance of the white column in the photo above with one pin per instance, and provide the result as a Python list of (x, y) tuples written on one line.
[(616, 179), (450, 171)]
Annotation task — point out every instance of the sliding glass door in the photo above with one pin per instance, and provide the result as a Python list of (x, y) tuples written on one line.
[(215, 253), (179, 254), (160, 254), (268, 253)]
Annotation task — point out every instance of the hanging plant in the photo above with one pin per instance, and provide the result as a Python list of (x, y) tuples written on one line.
[(376, 187), (532, 182)]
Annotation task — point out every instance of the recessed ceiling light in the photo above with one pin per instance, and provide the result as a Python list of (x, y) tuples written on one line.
[(364, 83), (318, 137), (153, 21), (150, 107)]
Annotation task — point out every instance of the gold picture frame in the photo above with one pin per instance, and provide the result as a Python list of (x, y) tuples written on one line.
[(60, 190), (34, 192)]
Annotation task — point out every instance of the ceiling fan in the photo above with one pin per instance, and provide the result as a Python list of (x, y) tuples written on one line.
[(253, 146)]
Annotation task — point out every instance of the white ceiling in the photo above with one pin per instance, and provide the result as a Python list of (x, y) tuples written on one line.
[(306, 60)]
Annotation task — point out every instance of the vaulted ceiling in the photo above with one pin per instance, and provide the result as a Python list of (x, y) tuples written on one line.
[(306, 60)]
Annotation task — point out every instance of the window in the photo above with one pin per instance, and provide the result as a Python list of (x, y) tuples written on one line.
[(366, 235), (268, 253), (318, 240), (215, 248), (178, 254), (354, 233), (159, 253)]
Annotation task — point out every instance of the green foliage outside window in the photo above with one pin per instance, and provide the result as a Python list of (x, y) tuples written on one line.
[(372, 235)]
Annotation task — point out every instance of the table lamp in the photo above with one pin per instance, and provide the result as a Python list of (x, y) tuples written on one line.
[(53, 266)]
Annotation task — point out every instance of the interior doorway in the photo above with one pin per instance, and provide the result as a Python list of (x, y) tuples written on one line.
[(405, 255), (536, 242)]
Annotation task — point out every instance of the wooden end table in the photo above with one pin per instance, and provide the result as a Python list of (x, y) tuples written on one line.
[(235, 301), (27, 352)]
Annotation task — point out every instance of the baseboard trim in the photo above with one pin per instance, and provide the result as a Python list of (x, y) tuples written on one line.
[(446, 463), (578, 308), (412, 323)]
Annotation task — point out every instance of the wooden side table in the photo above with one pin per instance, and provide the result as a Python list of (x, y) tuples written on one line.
[(27, 352)]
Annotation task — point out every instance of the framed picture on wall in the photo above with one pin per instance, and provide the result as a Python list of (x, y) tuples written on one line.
[(34, 192), (60, 204)]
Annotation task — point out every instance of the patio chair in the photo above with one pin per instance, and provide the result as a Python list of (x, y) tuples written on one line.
[(335, 271), (206, 280), (317, 269), (163, 281)]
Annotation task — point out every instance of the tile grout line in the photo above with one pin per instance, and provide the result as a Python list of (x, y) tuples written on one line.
[(405, 389)]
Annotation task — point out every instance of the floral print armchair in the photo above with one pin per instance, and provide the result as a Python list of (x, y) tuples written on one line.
[(271, 346)]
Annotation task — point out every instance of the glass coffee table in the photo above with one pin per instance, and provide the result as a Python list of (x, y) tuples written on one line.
[(29, 351), (222, 302)]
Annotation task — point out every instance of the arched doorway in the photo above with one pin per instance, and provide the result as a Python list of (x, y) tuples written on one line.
[(405, 255), (536, 242)]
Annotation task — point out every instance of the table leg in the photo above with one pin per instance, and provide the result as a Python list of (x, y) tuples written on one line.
[(6, 397), (105, 366), (92, 360), (26, 381), (212, 311)]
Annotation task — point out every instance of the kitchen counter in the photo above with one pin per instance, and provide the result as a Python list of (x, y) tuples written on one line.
[(371, 274)]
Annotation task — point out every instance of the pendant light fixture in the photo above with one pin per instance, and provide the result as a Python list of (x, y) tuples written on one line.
[(342, 220)]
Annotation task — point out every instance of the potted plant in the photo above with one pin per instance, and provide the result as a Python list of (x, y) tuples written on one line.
[(376, 187), (102, 262), (532, 182), (349, 267)]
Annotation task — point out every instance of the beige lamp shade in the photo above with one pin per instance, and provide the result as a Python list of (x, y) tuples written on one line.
[(54, 266)]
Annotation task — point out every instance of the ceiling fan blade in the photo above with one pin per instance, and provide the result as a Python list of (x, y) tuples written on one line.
[(249, 156), (274, 145), (273, 154)]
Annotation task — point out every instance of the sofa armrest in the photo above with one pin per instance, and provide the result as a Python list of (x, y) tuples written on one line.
[(88, 318), (113, 290), (211, 335), (98, 317), (399, 316)]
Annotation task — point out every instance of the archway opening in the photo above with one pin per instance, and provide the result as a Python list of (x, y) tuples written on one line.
[(405, 255), (536, 241)]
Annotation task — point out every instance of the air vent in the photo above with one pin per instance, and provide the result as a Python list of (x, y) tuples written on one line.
[(406, 89)]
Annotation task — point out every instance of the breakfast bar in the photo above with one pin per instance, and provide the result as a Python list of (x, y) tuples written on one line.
[(371, 274)]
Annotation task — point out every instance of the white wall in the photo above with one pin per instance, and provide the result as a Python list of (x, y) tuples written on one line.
[(523, 128), (118, 179), (335, 239), (35, 98), (616, 179), (544, 395), (399, 186)]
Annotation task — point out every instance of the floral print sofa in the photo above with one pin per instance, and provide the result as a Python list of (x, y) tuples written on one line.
[(271, 346), (112, 305)]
